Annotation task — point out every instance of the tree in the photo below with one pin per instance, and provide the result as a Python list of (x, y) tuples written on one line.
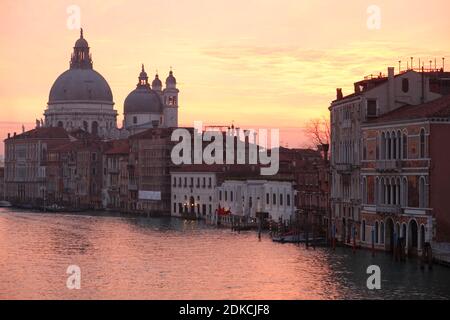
[(318, 131)]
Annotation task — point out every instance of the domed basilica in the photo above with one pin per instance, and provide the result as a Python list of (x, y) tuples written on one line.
[(81, 98)]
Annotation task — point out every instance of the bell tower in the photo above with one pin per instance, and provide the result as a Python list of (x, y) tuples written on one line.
[(170, 96)]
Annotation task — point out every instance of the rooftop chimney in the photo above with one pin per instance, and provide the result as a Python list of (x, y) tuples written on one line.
[(339, 94)]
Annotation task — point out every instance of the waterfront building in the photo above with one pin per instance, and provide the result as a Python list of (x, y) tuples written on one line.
[(2, 183), (372, 97), (25, 163), (246, 197), (404, 171), (81, 98), (115, 176), (150, 106), (194, 191), (149, 169), (74, 177)]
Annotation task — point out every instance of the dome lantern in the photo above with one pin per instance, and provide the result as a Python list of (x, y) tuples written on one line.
[(81, 58)]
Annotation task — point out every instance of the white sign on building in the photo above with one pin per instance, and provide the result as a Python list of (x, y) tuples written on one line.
[(150, 195)]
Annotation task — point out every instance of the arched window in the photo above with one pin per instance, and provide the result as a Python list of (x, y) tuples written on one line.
[(376, 232), (388, 146), (422, 143), (383, 146), (135, 120), (382, 191), (405, 192), (394, 145), (60, 124), (422, 193), (405, 145), (95, 128), (382, 232), (363, 230), (364, 190), (377, 191)]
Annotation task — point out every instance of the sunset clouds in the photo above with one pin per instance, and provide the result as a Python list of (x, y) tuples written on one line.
[(259, 63)]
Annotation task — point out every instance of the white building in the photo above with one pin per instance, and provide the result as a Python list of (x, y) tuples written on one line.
[(81, 98), (194, 194), (247, 197)]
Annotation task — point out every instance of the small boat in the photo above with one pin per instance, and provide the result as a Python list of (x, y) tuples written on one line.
[(291, 237), (5, 204)]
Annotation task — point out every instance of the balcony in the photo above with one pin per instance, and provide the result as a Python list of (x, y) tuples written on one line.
[(388, 165), (132, 186), (343, 167), (389, 209)]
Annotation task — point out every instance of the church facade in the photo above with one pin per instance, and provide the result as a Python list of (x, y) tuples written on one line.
[(81, 98)]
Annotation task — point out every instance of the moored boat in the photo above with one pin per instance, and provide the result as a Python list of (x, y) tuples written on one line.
[(5, 204)]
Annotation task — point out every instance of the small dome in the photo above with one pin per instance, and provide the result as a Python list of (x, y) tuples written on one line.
[(171, 79), (81, 43), (143, 100), (80, 85), (157, 83)]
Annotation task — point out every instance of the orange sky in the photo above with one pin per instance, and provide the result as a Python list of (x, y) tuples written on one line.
[(261, 63)]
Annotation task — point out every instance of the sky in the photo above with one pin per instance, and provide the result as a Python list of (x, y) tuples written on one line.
[(254, 63)]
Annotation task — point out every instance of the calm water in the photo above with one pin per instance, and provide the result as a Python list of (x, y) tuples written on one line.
[(123, 258)]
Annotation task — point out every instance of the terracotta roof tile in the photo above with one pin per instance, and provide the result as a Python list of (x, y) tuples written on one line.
[(439, 108)]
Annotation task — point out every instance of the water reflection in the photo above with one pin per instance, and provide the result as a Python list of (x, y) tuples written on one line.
[(124, 258)]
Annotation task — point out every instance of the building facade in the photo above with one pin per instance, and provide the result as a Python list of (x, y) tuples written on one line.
[(115, 176), (246, 198), (405, 170), (26, 164), (373, 97), (194, 192)]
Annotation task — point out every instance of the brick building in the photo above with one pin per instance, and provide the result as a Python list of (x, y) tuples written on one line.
[(405, 171), (26, 163), (115, 176), (372, 98)]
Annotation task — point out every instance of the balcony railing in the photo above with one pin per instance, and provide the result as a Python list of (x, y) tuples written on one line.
[(390, 209), (388, 165), (343, 167)]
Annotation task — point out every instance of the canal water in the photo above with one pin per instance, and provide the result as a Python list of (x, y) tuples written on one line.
[(139, 258)]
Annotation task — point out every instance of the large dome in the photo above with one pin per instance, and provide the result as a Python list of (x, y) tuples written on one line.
[(143, 100), (85, 85)]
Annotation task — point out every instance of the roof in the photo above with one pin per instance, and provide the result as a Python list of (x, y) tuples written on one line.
[(150, 133), (439, 108), (119, 147), (78, 145), (42, 133), (76, 85)]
